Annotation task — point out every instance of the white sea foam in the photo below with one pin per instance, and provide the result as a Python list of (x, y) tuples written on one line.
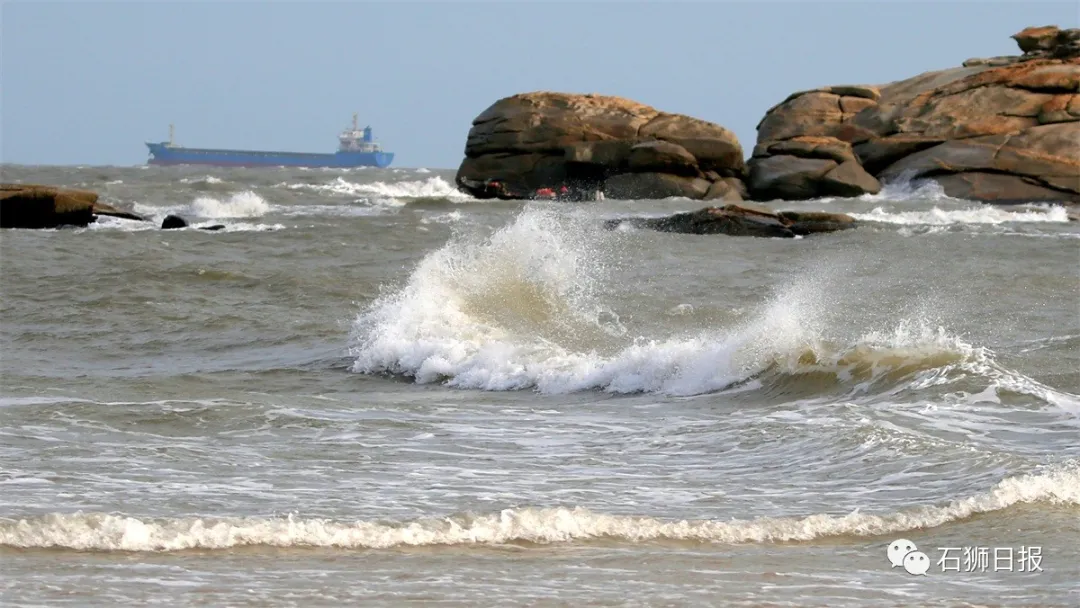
[(443, 218), (906, 189), (240, 204), (38, 400), (236, 205), (982, 214), (519, 310), (111, 532), (154, 223), (432, 187), (339, 210), (206, 179)]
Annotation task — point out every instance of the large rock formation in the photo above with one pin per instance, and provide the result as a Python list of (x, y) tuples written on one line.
[(1004, 129), (36, 206), (743, 219), (592, 143)]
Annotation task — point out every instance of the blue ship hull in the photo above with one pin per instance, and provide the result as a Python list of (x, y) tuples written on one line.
[(164, 154)]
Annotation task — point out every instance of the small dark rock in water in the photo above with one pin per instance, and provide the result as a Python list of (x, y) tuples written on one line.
[(803, 223), (173, 221), (743, 219)]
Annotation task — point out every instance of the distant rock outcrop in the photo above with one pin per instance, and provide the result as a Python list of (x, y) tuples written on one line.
[(37, 206), (591, 143), (743, 219), (1004, 129)]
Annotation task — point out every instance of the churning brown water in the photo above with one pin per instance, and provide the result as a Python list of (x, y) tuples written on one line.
[(371, 389)]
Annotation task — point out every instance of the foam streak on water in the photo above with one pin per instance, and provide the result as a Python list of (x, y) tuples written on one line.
[(984, 214), (533, 525)]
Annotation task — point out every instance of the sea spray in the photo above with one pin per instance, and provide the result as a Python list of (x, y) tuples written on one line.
[(907, 188), (982, 214), (432, 187), (240, 204), (243, 204), (493, 311), (525, 308)]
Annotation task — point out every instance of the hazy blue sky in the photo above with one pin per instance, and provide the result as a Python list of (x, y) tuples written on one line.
[(89, 82)]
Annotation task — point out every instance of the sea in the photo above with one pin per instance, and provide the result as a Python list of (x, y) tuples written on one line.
[(371, 389)]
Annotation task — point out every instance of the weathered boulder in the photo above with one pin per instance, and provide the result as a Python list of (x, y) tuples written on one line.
[(662, 156), (811, 222), (876, 154), (809, 146), (730, 189), (848, 179), (1000, 129), (1044, 156), (824, 112), (654, 186), (38, 206), (788, 177), (1048, 41), (593, 143), (743, 219), (809, 136)]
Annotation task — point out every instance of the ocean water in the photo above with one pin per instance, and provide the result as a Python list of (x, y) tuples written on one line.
[(371, 389)]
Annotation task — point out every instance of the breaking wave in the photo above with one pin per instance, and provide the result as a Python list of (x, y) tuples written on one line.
[(241, 204), (432, 187), (983, 214), (111, 532), (521, 310), (206, 179), (906, 189), (245, 204)]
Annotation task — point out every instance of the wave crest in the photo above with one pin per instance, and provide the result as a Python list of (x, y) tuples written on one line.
[(432, 187), (983, 214), (240, 204), (109, 532), (521, 309)]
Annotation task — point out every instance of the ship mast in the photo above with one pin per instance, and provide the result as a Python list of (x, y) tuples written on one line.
[(172, 132), (355, 123)]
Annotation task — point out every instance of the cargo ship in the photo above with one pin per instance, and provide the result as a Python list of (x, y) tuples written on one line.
[(356, 148)]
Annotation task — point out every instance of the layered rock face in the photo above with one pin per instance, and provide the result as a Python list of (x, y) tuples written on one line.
[(36, 206), (1004, 129), (591, 143)]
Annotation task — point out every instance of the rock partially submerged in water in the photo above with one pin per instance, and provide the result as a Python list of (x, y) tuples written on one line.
[(589, 143), (1002, 130), (38, 206), (743, 219), (172, 222)]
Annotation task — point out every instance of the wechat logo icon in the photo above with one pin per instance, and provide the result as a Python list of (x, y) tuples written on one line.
[(904, 553)]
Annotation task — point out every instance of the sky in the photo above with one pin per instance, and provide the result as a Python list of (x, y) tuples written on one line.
[(88, 82)]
